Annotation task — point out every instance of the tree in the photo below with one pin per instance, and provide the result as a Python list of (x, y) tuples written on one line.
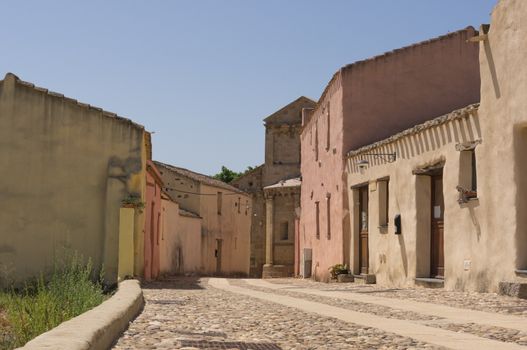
[(227, 175)]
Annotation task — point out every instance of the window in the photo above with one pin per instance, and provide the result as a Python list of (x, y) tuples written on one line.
[(383, 189), (468, 181), (316, 141), (328, 127), (284, 231), (239, 204), (317, 209), (219, 200), (328, 206)]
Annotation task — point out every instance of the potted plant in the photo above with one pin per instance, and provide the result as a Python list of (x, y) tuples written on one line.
[(341, 273), (132, 201)]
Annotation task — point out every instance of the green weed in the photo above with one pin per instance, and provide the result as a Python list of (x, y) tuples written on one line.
[(70, 290)]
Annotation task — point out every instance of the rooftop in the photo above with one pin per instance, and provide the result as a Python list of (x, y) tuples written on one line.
[(201, 178), (71, 100), (454, 115), (295, 182)]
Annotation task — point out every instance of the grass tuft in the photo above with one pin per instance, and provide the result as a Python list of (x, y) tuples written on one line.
[(43, 304)]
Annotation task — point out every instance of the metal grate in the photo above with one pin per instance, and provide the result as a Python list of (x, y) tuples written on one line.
[(205, 344)]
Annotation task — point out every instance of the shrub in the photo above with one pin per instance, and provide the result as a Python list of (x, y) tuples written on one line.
[(42, 305), (338, 269)]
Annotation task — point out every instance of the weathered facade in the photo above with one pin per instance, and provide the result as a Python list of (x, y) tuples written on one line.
[(180, 241), (363, 103), (153, 212), (456, 183), (413, 201), (275, 198), (66, 168), (225, 218)]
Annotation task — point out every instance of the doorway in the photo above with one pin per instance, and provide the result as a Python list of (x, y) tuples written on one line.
[(363, 230), (218, 255), (437, 253)]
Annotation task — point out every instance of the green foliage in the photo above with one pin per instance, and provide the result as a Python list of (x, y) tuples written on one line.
[(227, 175), (338, 269), (44, 304), (133, 201)]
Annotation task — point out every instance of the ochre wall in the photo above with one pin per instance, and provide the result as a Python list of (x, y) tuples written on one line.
[(180, 248), (503, 121), (65, 168)]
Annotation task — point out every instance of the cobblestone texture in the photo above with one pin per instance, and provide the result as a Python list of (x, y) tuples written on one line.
[(488, 302), (188, 314), (378, 310), (496, 333)]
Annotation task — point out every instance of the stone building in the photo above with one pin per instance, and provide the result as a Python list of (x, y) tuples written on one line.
[(225, 218), (414, 204), (365, 102), (275, 190), (443, 203), (66, 169)]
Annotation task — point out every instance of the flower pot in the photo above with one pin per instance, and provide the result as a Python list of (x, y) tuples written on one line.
[(345, 278)]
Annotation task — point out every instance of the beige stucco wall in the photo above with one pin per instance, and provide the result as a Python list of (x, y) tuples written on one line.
[(180, 248), (503, 121), (397, 259), (65, 168), (232, 227)]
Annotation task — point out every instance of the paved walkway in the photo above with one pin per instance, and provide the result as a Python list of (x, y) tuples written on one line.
[(217, 313), (451, 314)]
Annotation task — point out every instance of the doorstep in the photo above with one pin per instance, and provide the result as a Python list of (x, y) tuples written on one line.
[(513, 289), (429, 282), (365, 279), (521, 273)]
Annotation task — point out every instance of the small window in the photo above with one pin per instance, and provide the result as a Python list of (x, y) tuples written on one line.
[(284, 231), (239, 204), (219, 199), (328, 201), (317, 210), (468, 181), (316, 141), (328, 126), (383, 189)]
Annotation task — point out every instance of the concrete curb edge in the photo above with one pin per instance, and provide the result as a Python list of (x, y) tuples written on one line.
[(97, 328)]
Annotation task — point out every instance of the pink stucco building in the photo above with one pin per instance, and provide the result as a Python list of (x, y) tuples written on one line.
[(365, 102), (154, 186)]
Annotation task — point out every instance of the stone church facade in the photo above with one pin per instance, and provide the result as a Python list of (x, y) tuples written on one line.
[(275, 190)]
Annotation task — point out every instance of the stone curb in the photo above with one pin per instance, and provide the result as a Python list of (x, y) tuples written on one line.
[(97, 328)]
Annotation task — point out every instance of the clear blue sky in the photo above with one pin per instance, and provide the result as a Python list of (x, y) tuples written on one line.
[(203, 74)]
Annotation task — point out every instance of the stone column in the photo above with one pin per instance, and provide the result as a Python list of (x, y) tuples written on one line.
[(269, 219)]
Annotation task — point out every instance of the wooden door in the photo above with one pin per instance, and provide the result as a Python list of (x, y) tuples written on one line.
[(363, 230), (218, 255), (437, 253)]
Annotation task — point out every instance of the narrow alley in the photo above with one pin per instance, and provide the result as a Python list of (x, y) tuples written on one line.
[(214, 313)]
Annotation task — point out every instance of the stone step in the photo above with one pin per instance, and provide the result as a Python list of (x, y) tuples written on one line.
[(513, 289), (365, 279)]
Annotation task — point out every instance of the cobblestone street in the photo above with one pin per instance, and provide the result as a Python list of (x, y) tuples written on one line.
[(188, 313)]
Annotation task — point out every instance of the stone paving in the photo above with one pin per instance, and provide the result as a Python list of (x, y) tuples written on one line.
[(187, 313), (488, 302)]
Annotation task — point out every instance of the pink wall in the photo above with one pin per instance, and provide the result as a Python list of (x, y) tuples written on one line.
[(368, 101), (392, 92), (152, 221)]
